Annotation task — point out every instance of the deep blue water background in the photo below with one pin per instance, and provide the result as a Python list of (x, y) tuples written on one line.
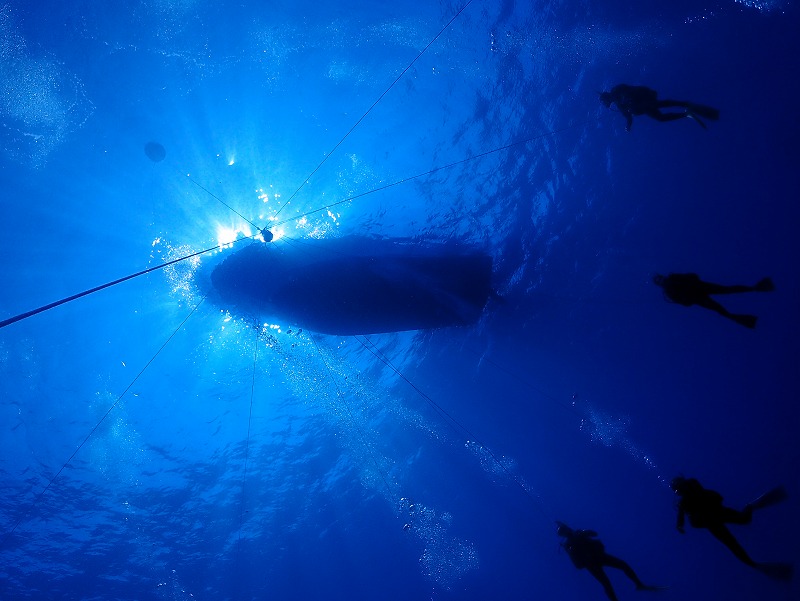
[(578, 398)]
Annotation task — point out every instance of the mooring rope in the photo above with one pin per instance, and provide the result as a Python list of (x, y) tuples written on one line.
[(374, 104), (99, 422)]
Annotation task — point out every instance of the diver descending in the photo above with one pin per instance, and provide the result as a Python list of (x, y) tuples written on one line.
[(587, 551), (640, 100), (688, 289), (705, 510)]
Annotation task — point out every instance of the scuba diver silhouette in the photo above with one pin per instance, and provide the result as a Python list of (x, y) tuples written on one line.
[(705, 510), (639, 100), (688, 289), (587, 551)]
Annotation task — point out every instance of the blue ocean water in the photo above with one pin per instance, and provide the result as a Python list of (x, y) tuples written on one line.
[(156, 446)]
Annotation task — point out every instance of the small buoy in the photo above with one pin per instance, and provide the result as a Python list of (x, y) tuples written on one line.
[(155, 152), (266, 235)]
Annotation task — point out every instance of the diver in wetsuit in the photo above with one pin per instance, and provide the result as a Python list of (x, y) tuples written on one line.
[(587, 551), (705, 510), (639, 100), (688, 289)]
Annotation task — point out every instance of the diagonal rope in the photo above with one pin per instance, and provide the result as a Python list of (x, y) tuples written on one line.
[(207, 191), (451, 421), (247, 444), (374, 104), (21, 316), (431, 171), (100, 421)]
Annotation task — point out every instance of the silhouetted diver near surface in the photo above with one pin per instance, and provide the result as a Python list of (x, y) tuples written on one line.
[(688, 289), (587, 551), (640, 100), (705, 510)]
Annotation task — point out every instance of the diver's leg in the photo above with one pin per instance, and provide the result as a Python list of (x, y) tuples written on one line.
[(763, 285), (691, 110), (668, 103), (616, 562), (732, 516), (709, 303), (711, 288), (661, 104), (707, 112), (659, 116), (602, 578), (722, 534), (748, 321)]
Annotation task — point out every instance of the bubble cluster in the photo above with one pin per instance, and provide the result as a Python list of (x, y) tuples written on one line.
[(41, 104), (764, 5), (612, 431), (445, 559)]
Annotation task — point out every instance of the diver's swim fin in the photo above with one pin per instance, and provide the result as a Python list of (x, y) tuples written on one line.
[(771, 497), (694, 117), (765, 285), (707, 112), (748, 321), (651, 587), (778, 571)]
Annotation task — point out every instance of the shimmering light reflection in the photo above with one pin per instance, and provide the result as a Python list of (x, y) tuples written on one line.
[(277, 233), (180, 275), (226, 236), (231, 158), (265, 196)]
